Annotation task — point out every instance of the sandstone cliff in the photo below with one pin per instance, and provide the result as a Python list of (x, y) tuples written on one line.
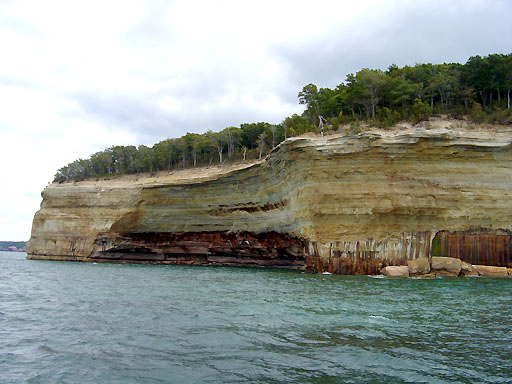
[(346, 204)]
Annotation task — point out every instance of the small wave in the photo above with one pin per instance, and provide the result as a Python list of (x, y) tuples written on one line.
[(46, 348), (378, 317), (377, 276), (326, 273)]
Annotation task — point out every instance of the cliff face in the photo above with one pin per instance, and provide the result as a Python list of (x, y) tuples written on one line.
[(346, 204)]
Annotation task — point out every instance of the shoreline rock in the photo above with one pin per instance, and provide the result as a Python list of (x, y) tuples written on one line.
[(446, 266), (490, 271), (396, 271), (438, 266), (468, 270), (419, 266)]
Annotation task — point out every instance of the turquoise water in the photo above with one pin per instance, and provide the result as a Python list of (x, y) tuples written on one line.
[(110, 323)]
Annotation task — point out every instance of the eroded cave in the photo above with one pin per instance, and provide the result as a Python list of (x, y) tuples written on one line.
[(270, 249)]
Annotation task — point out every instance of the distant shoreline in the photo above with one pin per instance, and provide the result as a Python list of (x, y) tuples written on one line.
[(12, 246)]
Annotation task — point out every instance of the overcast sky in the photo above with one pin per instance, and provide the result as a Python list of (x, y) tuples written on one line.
[(79, 76)]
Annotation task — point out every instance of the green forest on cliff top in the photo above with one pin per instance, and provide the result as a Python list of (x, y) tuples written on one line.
[(478, 90)]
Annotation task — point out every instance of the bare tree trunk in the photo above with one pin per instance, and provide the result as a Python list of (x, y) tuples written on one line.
[(420, 92), (231, 143), (373, 102), (508, 98), (321, 124), (194, 155), (219, 149), (490, 102), (482, 96), (262, 145)]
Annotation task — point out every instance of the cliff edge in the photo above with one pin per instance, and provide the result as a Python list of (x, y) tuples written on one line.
[(343, 204)]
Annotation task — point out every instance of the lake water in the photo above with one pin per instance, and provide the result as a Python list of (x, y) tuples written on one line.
[(113, 323)]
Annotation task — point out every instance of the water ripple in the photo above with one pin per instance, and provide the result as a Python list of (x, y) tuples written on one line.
[(91, 323)]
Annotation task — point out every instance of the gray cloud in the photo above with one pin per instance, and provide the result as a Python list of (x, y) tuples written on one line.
[(199, 95), (150, 124), (404, 34)]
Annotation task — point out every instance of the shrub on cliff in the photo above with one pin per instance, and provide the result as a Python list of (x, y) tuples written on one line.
[(421, 111), (476, 113)]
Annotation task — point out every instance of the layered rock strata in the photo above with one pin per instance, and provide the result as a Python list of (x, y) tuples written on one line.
[(342, 204)]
